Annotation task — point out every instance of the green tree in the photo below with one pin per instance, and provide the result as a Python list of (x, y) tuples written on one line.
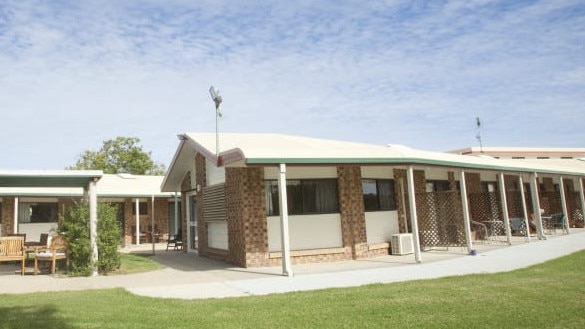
[(75, 227), (120, 155)]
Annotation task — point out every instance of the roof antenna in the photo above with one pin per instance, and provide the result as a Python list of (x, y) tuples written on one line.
[(478, 133)]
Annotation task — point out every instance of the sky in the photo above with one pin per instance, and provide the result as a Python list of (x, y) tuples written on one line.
[(74, 74)]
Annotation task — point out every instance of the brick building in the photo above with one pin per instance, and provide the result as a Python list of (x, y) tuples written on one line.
[(348, 200), (33, 210)]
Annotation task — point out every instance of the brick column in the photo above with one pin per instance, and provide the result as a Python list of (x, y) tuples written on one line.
[(246, 215), (351, 207)]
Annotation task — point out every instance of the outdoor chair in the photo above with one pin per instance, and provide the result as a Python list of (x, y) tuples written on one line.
[(558, 221), (480, 230), (176, 241), (518, 226), (57, 250), (43, 241)]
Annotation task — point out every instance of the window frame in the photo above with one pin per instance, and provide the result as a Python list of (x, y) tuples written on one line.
[(302, 196), (375, 202)]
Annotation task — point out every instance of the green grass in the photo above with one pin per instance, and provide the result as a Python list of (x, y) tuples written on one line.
[(135, 263), (549, 295)]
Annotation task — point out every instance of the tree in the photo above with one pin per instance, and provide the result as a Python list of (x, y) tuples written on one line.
[(120, 155)]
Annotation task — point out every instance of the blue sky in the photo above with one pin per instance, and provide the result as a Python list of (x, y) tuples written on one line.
[(76, 73)]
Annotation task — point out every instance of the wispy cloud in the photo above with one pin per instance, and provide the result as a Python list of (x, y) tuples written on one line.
[(402, 72)]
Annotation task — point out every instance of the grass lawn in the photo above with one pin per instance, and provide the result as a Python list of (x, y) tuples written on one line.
[(550, 295), (134, 263)]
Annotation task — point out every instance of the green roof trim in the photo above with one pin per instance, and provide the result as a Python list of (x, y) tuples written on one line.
[(406, 162)]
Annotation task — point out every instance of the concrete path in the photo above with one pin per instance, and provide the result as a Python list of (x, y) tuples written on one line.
[(190, 277), (497, 260)]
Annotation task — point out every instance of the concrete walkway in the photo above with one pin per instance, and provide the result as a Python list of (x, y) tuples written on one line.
[(190, 277)]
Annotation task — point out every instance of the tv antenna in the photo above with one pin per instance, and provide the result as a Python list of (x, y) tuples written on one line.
[(478, 133), (217, 100)]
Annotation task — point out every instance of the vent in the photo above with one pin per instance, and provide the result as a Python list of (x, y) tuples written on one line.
[(214, 206), (402, 244)]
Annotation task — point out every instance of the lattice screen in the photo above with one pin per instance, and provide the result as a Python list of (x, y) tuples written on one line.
[(484, 206), (440, 219)]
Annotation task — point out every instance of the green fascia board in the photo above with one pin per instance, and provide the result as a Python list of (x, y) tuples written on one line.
[(404, 162)]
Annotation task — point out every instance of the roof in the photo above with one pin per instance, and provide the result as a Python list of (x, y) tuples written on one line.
[(523, 151), (109, 185), (53, 178), (273, 149), (124, 185)]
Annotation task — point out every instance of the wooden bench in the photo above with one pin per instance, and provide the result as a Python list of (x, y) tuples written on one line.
[(12, 249)]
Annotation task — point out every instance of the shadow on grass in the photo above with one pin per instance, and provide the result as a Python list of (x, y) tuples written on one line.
[(42, 316)]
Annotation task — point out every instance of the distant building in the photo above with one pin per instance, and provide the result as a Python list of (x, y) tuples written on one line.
[(523, 152), (35, 209)]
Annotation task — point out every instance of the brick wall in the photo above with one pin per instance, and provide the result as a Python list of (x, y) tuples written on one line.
[(351, 207), (7, 215)]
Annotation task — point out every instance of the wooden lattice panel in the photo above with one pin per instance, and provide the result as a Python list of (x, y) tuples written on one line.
[(484, 206), (551, 202), (440, 219)]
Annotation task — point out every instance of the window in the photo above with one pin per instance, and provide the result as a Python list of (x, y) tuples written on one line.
[(437, 186), (37, 212), (143, 208), (304, 196), (488, 186), (378, 194)]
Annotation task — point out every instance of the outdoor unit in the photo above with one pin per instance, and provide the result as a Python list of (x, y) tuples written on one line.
[(402, 244)]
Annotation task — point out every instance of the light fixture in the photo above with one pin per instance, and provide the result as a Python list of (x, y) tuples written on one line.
[(217, 100)]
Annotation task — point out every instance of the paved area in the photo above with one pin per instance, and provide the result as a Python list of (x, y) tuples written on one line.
[(190, 277)]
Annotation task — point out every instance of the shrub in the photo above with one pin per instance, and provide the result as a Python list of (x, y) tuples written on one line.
[(75, 227), (108, 239)]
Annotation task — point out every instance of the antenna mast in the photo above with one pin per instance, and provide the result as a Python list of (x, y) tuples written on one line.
[(478, 133)]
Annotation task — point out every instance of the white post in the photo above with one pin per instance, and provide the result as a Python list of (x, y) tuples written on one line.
[(152, 232), (93, 226), (582, 197), (137, 209), (564, 206), (413, 216), (465, 207), (15, 219), (504, 201), (284, 231), (176, 215), (536, 206), (524, 210)]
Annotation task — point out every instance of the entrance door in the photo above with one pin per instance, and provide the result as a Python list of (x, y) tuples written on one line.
[(191, 223)]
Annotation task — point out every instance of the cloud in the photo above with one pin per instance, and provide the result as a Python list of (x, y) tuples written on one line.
[(401, 72)]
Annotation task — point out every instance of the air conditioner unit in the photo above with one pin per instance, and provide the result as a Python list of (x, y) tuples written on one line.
[(402, 244)]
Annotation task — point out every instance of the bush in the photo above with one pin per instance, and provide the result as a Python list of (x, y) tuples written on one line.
[(108, 239), (76, 228)]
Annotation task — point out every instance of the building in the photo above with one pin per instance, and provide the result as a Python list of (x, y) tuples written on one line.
[(524, 152), (37, 207), (349, 200)]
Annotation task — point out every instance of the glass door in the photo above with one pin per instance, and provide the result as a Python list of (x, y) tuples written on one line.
[(191, 223)]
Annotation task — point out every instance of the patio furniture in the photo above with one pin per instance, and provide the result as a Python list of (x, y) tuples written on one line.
[(43, 241), (12, 249), (558, 221), (57, 250), (480, 230), (176, 241), (144, 237), (518, 226)]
